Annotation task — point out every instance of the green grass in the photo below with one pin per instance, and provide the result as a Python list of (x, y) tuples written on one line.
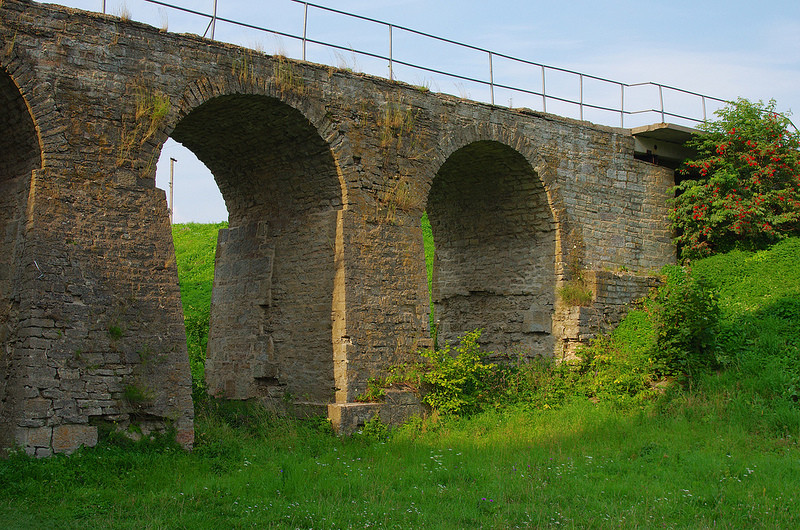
[(195, 246), (582, 465), (427, 238), (723, 453)]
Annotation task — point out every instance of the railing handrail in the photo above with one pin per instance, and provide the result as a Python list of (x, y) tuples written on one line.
[(491, 83)]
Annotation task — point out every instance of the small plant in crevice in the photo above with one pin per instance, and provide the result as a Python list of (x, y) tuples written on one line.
[(151, 107), (287, 79), (137, 396), (124, 13), (575, 292), (375, 392), (345, 64), (115, 333), (9, 47), (242, 68), (408, 376), (399, 194), (395, 122), (424, 86)]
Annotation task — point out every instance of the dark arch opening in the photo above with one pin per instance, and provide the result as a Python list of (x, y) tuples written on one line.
[(270, 333), (494, 264), (20, 154)]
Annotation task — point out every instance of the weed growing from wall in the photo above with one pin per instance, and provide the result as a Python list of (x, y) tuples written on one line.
[(399, 194), (287, 79), (151, 108), (575, 291), (124, 13), (9, 47), (242, 69), (396, 123)]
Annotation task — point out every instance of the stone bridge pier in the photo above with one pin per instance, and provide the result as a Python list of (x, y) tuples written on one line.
[(320, 278)]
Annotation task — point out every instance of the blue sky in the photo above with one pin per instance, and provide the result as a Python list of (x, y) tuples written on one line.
[(726, 49)]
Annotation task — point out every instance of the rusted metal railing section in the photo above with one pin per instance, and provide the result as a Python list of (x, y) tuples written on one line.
[(695, 100)]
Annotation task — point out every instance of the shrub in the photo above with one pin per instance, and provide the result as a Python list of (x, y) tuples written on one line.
[(620, 366), (375, 430), (458, 383), (541, 383), (685, 317), (743, 189)]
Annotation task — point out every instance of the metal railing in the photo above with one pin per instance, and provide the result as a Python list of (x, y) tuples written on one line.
[(582, 103)]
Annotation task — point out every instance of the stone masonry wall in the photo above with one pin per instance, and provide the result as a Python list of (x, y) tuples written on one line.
[(271, 314), (19, 157), (495, 250), (326, 174)]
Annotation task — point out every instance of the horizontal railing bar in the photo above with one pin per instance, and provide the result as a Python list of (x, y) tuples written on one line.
[(491, 83), (179, 8), (410, 30), (668, 87), (457, 43)]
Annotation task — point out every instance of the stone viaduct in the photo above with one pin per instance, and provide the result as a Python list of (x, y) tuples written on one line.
[(320, 280)]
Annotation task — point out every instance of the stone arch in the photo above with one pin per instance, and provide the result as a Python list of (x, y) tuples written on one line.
[(20, 156), (496, 244), (271, 323)]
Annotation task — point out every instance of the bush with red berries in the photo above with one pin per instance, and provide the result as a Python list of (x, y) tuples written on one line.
[(743, 188)]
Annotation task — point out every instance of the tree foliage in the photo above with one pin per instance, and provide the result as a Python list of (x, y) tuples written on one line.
[(743, 188)]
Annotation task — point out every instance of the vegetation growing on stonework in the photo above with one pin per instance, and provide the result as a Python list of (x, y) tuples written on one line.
[(151, 107), (743, 188), (575, 292)]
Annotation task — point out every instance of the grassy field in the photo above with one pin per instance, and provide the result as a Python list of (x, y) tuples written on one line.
[(578, 451), (195, 245)]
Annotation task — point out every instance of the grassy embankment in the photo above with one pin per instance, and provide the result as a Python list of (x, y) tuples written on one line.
[(721, 453)]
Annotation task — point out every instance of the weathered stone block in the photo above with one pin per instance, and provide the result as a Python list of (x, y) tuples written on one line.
[(400, 406), (34, 437), (347, 418), (68, 438)]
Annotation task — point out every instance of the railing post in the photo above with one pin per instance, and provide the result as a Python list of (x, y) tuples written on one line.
[(622, 105), (214, 20), (171, 186), (104, 7), (491, 77), (391, 74), (703, 99), (544, 93), (305, 27), (581, 103), (661, 97)]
